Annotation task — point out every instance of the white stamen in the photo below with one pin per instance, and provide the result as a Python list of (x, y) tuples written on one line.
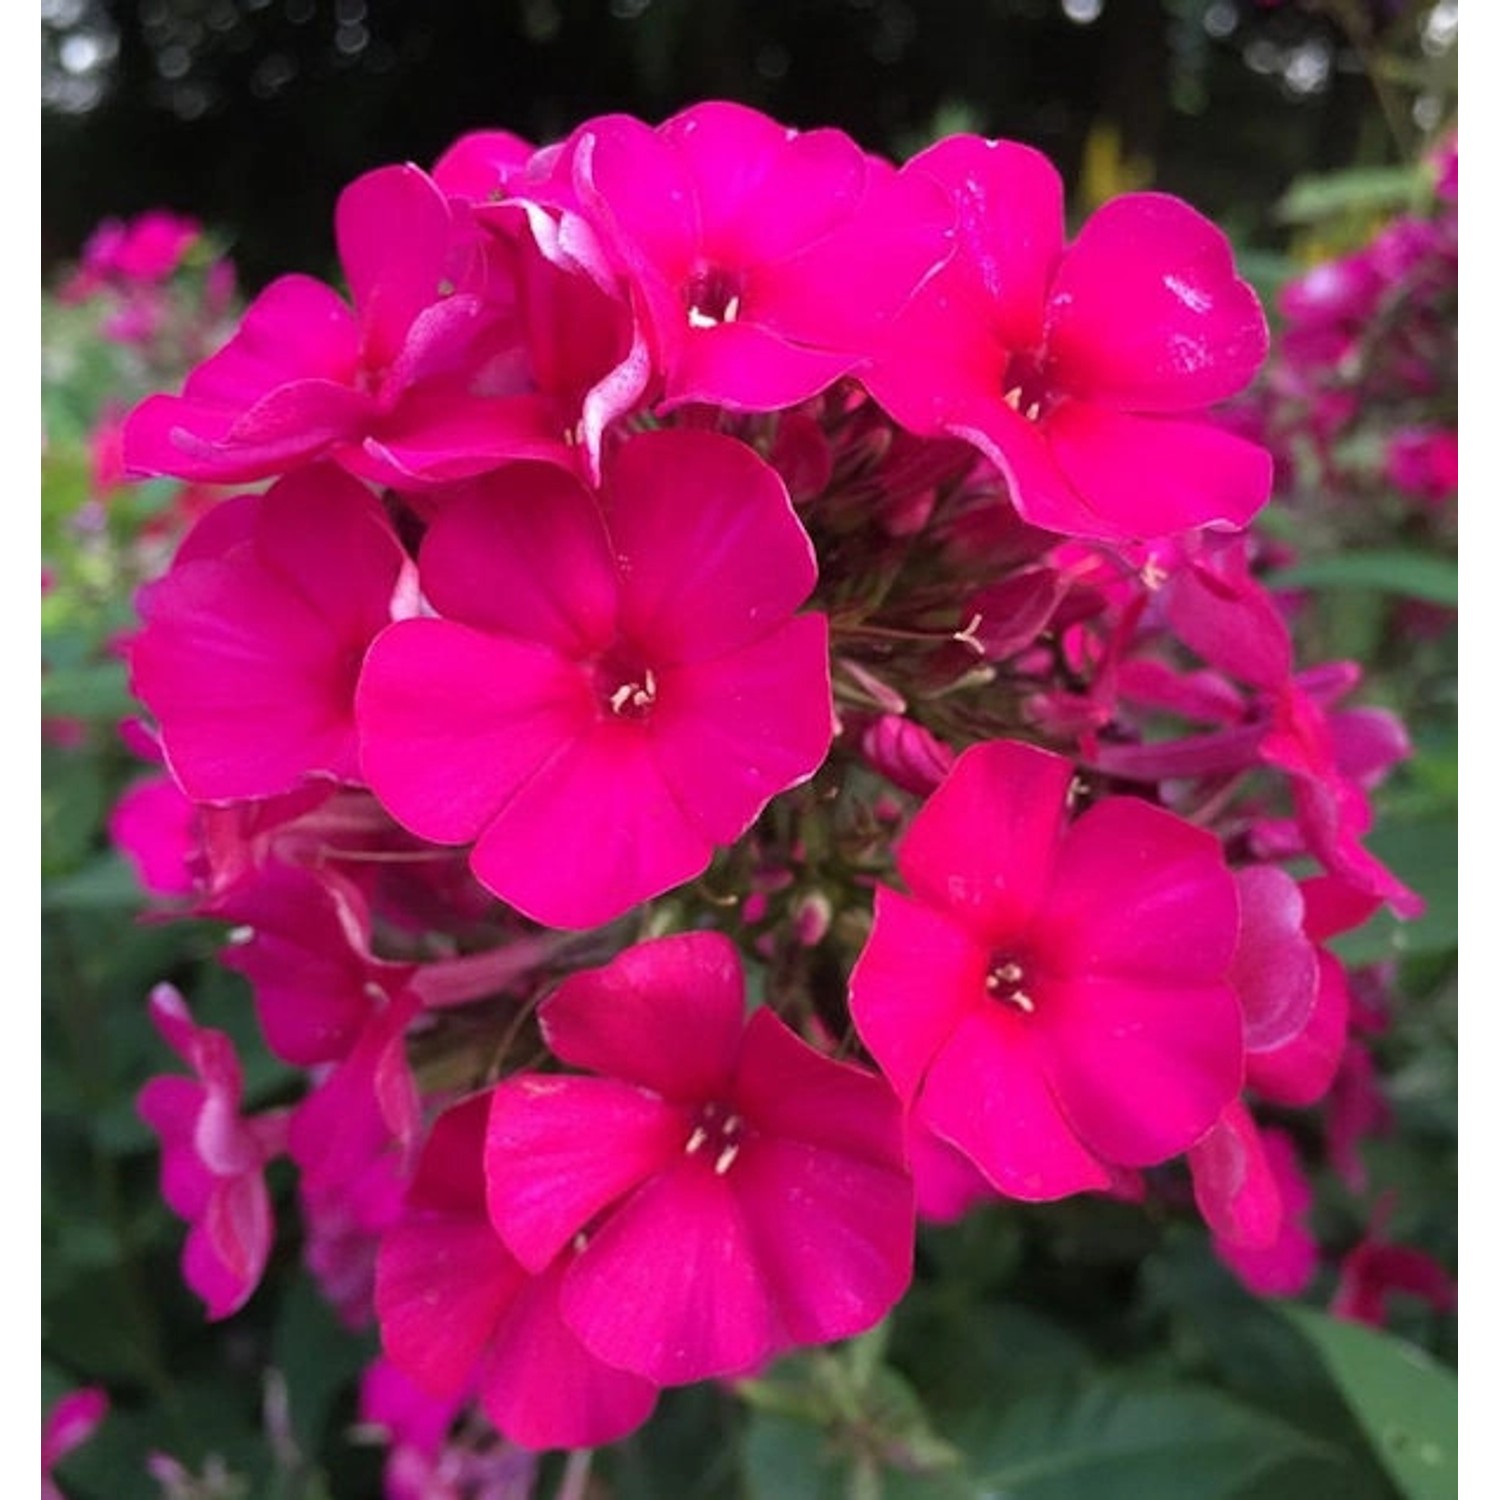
[(725, 1160), (696, 1139), (697, 318), (239, 936)]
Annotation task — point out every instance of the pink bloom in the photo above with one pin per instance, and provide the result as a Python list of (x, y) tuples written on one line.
[(253, 642), (458, 1313), (141, 252), (71, 1422), (616, 684), (729, 1191), (303, 942), (432, 376), (213, 1159), (1423, 462), (765, 259), (1082, 371), (1053, 998), (1375, 1268)]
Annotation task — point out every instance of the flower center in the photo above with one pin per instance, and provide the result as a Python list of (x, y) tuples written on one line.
[(1026, 388), (712, 296), (1006, 982), (625, 686), (717, 1136)]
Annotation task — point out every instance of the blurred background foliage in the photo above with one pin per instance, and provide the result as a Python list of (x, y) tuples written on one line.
[(1087, 1349)]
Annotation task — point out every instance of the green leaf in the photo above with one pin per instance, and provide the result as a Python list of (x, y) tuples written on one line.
[(786, 1459), (1112, 1441), (97, 690), (1424, 853), (1407, 1402), (1361, 190), (1412, 575)]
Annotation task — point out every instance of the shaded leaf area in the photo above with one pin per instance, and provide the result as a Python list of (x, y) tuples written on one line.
[(1407, 1402)]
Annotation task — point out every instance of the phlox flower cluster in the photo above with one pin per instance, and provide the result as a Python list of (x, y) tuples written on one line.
[(732, 707), (1360, 401)]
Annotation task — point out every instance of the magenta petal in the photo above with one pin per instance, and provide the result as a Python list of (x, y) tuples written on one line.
[(1009, 201), (669, 1287), (833, 1235), (1147, 313), (524, 553), (319, 514), (541, 1387), (948, 1184), (763, 191), (1154, 476), (439, 436), (939, 359), (986, 1096), (728, 735), (1301, 1070), (453, 722), (1141, 1070), (594, 832), (226, 1251), (747, 367), (919, 976), (441, 1284), (250, 686), (1181, 920), (667, 1015), (560, 1149), (983, 845), (1233, 1184), (838, 292), (712, 556), (785, 1088), (392, 231), (1275, 970), (297, 329)]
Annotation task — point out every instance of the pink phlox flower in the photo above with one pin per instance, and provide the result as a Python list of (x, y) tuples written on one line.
[(1252, 1191), (355, 1138), (1423, 462), (1053, 997), (728, 1191), (1081, 369), (70, 1422), (213, 1158), (614, 685), (136, 252), (1376, 1268), (409, 387), (764, 259), (1272, 717), (253, 642), (459, 1315), (302, 938)]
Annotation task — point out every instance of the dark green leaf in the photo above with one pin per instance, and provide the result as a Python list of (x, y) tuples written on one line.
[(1407, 1402), (1412, 575), (1111, 1441)]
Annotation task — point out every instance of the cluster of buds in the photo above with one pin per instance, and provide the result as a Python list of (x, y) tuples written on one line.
[(734, 710)]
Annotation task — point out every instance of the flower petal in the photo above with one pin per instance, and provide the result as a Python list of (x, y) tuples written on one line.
[(560, 1149), (669, 1287), (667, 1015), (987, 1096)]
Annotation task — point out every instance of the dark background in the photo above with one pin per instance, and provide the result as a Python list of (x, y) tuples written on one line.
[(252, 114)]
